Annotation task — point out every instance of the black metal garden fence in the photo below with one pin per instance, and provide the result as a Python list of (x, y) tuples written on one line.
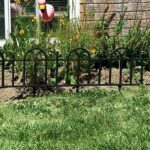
[(38, 69)]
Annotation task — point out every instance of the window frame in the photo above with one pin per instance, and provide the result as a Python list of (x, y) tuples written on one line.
[(7, 13), (74, 9), (7, 17), (74, 13)]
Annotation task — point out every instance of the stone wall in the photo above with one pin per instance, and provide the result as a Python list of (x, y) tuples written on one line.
[(92, 10)]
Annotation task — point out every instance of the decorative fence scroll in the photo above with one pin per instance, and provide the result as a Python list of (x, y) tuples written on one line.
[(41, 69)]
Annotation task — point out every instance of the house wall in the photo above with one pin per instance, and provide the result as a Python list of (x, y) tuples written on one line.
[(92, 10)]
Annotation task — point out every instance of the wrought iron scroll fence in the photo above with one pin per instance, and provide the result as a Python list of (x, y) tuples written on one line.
[(40, 69)]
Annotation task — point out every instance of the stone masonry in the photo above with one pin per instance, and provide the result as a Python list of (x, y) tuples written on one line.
[(92, 10)]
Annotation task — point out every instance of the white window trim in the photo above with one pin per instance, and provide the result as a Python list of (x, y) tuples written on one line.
[(36, 8), (7, 18), (74, 13)]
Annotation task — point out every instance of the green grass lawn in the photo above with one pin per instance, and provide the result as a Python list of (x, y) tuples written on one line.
[(95, 120)]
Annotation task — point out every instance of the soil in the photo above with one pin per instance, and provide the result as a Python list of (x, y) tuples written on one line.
[(15, 93), (8, 93)]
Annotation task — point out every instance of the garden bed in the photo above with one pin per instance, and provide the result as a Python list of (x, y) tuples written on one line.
[(13, 93)]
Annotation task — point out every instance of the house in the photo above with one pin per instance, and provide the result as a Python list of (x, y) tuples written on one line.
[(92, 9)]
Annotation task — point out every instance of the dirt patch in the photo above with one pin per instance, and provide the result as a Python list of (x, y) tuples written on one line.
[(8, 93)]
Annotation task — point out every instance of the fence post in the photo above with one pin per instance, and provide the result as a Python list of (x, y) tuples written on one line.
[(46, 70), (78, 75), (141, 78), (57, 56), (110, 70), (131, 71), (13, 68), (35, 77), (3, 70), (24, 71), (89, 69), (120, 73)]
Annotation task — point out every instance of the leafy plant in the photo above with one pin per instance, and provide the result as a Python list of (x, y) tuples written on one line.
[(67, 35)]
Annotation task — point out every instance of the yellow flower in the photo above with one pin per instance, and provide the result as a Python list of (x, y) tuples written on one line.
[(21, 32), (42, 33), (93, 50), (49, 35), (17, 1), (62, 21), (34, 19), (77, 36)]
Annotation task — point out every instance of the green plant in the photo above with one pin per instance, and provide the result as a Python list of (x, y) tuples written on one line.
[(67, 35)]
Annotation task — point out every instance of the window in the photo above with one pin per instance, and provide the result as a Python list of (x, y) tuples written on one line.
[(7, 17), (19, 9), (2, 20), (60, 6)]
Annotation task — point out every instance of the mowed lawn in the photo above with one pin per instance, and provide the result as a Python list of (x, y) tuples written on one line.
[(94, 120)]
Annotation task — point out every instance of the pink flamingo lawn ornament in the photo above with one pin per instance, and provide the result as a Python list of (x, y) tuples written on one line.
[(46, 12)]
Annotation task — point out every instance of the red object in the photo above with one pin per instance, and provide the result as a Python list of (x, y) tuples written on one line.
[(46, 11)]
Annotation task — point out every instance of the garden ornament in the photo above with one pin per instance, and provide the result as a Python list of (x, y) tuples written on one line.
[(46, 12)]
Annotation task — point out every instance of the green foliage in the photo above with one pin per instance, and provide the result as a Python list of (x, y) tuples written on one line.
[(67, 35)]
